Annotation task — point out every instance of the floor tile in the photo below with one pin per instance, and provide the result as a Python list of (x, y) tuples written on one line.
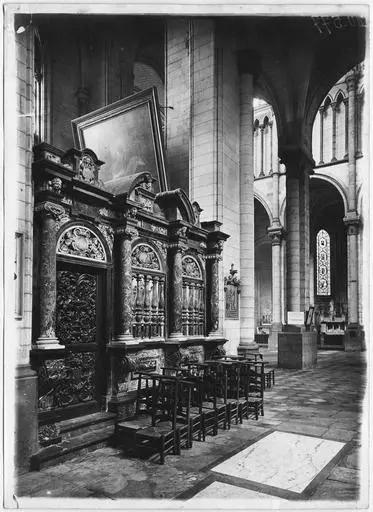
[(220, 490), (287, 461)]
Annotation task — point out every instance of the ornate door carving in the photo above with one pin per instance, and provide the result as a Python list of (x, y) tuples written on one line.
[(77, 377)]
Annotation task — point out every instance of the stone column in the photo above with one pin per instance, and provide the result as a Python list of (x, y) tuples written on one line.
[(321, 111), (334, 130), (247, 63), (49, 214), (345, 101), (176, 290), (275, 233), (352, 221), (123, 282), (298, 168), (271, 148), (261, 149)]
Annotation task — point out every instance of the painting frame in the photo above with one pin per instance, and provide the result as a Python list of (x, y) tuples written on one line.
[(140, 103)]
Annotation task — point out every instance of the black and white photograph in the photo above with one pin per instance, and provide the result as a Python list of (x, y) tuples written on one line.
[(187, 262)]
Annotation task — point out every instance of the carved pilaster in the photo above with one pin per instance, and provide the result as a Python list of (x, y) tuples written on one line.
[(49, 213)]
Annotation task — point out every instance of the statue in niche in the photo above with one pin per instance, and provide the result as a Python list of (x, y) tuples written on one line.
[(232, 290)]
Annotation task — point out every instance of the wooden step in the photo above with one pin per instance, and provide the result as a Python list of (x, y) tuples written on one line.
[(71, 447)]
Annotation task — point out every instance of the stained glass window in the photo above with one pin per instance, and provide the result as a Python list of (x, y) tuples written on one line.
[(323, 262)]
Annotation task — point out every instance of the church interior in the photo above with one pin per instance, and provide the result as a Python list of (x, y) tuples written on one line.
[(188, 256)]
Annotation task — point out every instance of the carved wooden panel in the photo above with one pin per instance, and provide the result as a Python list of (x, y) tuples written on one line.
[(71, 379), (76, 307), (67, 381)]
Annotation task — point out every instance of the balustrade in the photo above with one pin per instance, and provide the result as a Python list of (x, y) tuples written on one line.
[(148, 305)]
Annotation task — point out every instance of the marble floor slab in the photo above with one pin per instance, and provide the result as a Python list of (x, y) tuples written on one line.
[(220, 490), (283, 460)]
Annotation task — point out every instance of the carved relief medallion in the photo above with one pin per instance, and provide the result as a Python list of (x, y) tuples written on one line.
[(143, 256), (191, 268)]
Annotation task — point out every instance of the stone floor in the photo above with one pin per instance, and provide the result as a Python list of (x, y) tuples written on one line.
[(323, 404)]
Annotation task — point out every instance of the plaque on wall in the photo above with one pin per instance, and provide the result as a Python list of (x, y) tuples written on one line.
[(232, 290), (126, 135)]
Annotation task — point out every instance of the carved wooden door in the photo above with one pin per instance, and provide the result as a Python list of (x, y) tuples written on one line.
[(80, 327)]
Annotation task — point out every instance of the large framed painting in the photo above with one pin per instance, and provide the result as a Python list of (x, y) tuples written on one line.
[(126, 136)]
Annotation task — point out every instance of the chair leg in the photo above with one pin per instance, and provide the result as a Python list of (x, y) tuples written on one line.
[(161, 450), (177, 449), (190, 443)]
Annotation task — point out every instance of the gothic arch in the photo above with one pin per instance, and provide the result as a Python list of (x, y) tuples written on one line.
[(265, 205)]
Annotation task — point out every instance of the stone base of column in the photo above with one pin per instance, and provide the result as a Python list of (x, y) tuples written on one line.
[(273, 337), (353, 338), (44, 343), (26, 419), (297, 350), (124, 339)]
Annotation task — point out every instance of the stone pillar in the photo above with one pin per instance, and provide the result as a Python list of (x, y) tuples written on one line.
[(123, 282), (298, 168), (321, 111), (49, 214), (247, 63), (297, 348), (352, 221), (275, 233)]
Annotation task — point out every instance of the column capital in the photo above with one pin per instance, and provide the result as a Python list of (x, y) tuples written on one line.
[(248, 62), (48, 208), (352, 222), (322, 109), (351, 82), (276, 234), (177, 246), (126, 231)]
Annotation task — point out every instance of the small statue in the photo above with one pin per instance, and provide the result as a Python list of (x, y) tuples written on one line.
[(331, 309)]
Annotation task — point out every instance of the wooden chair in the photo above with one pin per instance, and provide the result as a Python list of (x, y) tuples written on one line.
[(154, 427), (163, 435)]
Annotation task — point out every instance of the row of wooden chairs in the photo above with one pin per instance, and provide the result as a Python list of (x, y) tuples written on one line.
[(190, 402)]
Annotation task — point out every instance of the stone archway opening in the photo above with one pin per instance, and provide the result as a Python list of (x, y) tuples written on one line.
[(328, 262)]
